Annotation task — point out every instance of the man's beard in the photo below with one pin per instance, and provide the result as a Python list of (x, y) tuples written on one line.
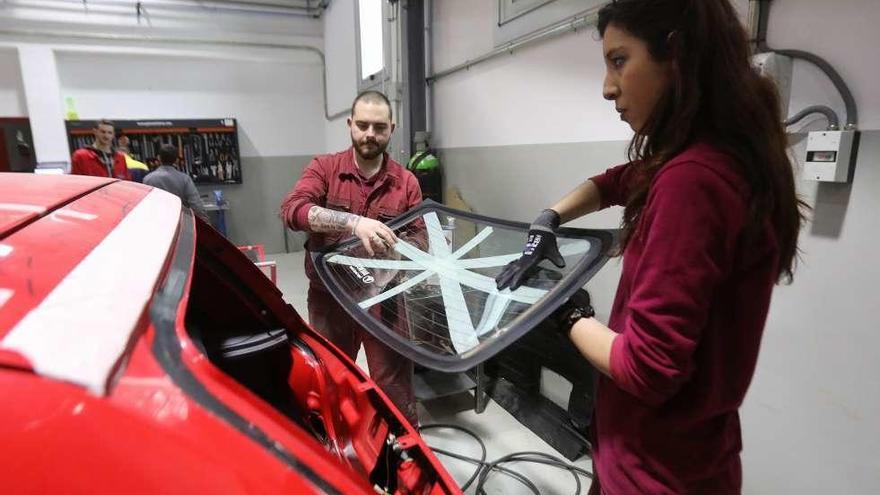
[(368, 152)]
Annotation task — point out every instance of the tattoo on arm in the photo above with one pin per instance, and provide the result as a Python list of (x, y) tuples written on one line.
[(326, 220)]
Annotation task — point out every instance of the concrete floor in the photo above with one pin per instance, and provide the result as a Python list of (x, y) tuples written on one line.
[(500, 431)]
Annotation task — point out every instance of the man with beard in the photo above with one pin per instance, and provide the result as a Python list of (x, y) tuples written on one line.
[(345, 194), (100, 159)]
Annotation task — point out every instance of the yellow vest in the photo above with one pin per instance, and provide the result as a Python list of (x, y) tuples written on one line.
[(131, 163)]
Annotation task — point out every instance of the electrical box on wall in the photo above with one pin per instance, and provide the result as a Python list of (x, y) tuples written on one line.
[(830, 156), (778, 68)]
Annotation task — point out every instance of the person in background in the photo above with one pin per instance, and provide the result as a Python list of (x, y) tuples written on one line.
[(100, 159), (136, 169), (346, 194), (168, 178), (710, 224), (152, 163)]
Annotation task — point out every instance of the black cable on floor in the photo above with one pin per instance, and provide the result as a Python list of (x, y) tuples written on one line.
[(466, 431), (535, 457), (485, 469), (480, 465)]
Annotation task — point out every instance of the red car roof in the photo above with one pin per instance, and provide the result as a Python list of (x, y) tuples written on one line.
[(89, 258), (24, 197)]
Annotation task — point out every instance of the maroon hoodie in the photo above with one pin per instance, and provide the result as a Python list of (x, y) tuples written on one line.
[(690, 310)]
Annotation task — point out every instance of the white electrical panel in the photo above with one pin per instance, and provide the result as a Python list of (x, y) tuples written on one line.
[(829, 156)]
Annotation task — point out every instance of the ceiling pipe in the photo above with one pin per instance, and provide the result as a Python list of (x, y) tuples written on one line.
[(135, 6)]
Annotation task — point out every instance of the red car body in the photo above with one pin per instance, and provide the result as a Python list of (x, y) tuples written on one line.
[(141, 352)]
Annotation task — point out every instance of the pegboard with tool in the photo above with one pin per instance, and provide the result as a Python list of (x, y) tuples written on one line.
[(208, 148)]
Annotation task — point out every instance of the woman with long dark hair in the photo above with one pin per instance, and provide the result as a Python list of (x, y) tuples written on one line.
[(710, 224)]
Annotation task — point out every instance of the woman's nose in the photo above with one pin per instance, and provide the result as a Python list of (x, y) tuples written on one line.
[(610, 90)]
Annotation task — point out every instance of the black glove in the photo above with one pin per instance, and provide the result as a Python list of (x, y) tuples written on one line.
[(540, 245), (578, 306)]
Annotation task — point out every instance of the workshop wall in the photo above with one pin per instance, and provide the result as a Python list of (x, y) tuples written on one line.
[(552, 92), (276, 103), (279, 107), (341, 60), (12, 102), (275, 92), (549, 93), (537, 117), (809, 420)]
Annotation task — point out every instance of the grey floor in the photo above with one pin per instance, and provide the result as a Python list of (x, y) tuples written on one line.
[(501, 433)]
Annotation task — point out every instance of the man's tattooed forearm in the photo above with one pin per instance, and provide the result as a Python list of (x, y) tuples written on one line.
[(326, 220)]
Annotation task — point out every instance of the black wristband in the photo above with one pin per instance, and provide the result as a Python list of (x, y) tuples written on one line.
[(548, 218), (572, 316)]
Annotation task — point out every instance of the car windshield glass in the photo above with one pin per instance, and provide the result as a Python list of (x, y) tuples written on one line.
[(433, 297)]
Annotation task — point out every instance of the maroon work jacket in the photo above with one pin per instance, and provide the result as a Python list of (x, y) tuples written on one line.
[(332, 181)]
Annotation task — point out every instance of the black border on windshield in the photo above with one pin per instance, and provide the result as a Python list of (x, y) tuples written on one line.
[(601, 244)]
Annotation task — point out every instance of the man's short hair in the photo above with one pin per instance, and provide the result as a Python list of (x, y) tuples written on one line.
[(372, 96), (104, 122), (168, 154)]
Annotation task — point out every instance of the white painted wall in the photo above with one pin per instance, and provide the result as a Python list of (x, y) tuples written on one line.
[(278, 105), (809, 420), (552, 93), (340, 54), (168, 63), (12, 102)]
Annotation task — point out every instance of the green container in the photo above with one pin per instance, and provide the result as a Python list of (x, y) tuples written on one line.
[(426, 168), (427, 163)]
